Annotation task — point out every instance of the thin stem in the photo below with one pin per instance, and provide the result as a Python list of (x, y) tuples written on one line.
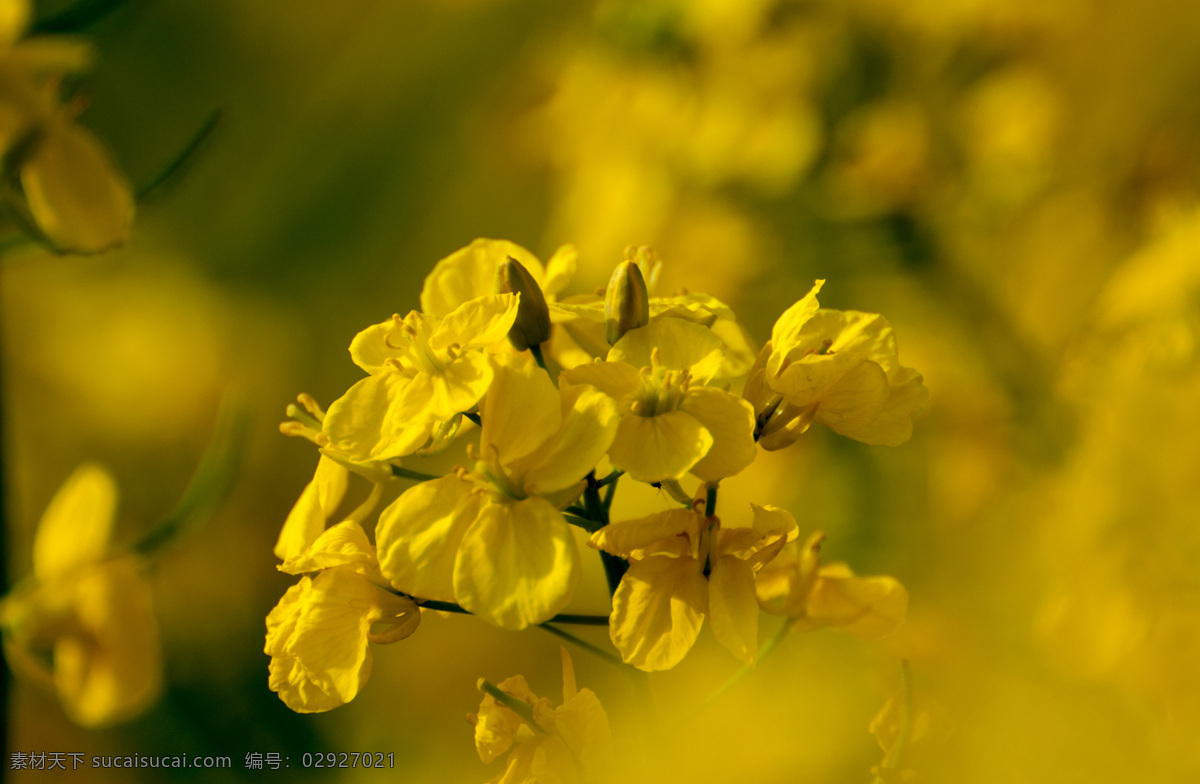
[(584, 644), (406, 473), (209, 485), (763, 652), (536, 350), (582, 620), (895, 755), (183, 159), (611, 478), (710, 501), (518, 707)]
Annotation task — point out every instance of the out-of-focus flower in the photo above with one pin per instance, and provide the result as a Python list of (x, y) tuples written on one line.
[(683, 567), (795, 584), (838, 368), (423, 371), (492, 538), (570, 743), (670, 422), (84, 625), (70, 190), (318, 634)]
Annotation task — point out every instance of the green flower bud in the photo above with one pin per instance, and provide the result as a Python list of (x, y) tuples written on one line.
[(532, 327), (626, 303)]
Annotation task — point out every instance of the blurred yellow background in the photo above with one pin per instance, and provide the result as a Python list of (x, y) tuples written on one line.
[(1013, 184)]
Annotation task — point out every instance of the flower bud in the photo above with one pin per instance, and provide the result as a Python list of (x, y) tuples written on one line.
[(626, 303), (532, 326)]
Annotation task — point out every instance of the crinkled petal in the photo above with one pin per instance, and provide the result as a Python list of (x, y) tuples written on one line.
[(666, 446), (345, 544), (76, 526), (733, 608), (78, 197), (330, 638), (675, 532), (730, 421), (419, 535), (867, 607), (888, 425), (435, 397), (518, 564), (372, 347), (658, 610), (786, 332)]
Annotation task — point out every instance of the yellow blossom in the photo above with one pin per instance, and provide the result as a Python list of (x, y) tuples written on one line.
[(318, 634), (670, 422), (796, 585), (570, 743), (838, 368), (84, 624), (424, 370), (70, 189), (492, 538), (311, 513), (683, 567), (470, 273)]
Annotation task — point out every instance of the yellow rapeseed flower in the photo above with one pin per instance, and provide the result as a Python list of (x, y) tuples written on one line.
[(796, 585), (570, 743), (492, 538), (84, 625), (670, 422), (838, 368), (424, 370), (318, 634), (684, 567)]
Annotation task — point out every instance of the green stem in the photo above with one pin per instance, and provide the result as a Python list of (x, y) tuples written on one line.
[(209, 485), (763, 652), (406, 473), (582, 620), (536, 350), (895, 755), (710, 501), (518, 707), (584, 644), (611, 478), (183, 159), (597, 512)]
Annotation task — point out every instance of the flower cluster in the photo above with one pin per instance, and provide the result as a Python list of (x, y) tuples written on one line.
[(559, 399)]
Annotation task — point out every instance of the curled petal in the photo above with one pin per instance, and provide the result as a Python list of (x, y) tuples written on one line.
[(658, 610), (730, 421)]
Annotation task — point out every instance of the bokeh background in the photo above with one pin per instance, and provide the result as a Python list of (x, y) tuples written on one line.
[(1012, 183)]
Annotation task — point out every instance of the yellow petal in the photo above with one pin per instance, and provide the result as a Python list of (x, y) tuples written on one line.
[(374, 346), (432, 397), (288, 677), (469, 273), (76, 525), (588, 428), (478, 322), (675, 532), (518, 564), (522, 411), (318, 502), (419, 535), (891, 424), (618, 380), (345, 544), (733, 608), (867, 607), (559, 270), (393, 618), (330, 637), (75, 193), (658, 610), (365, 423), (14, 18), (786, 332), (110, 667), (681, 345), (730, 421), (653, 449)]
